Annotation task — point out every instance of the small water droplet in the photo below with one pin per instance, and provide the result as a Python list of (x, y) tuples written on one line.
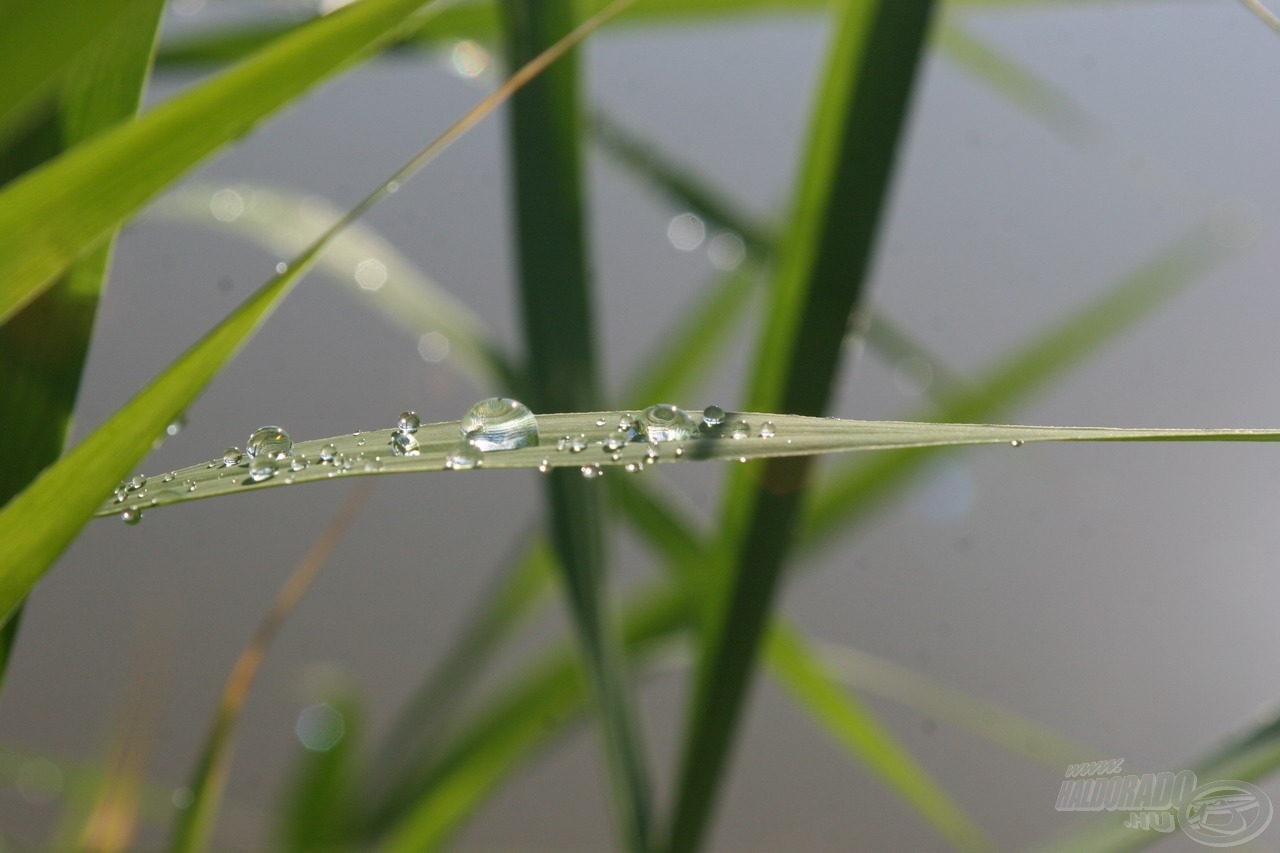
[(767, 430), (665, 422), (408, 422), (137, 482), (328, 453), (261, 469), (544, 466), (282, 268), (633, 467), (297, 464), (652, 453), (403, 444), (500, 423), (712, 416), (131, 516), (269, 442), (741, 429), (168, 478), (190, 484), (592, 471), (578, 443), (463, 457), (679, 451), (175, 426), (742, 459), (231, 456), (612, 442), (1016, 443), (601, 422)]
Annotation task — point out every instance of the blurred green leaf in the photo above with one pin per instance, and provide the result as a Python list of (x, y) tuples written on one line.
[(57, 213), (316, 814)]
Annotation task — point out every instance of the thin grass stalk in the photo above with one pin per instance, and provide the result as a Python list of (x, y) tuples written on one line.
[(859, 115), (556, 306)]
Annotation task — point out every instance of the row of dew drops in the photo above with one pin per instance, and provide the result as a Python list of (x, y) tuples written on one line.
[(491, 425)]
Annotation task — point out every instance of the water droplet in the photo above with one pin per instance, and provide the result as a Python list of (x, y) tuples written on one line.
[(633, 467), (712, 416), (679, 451), (269, 442), (328, 453), (562, 443), (168, 478), (742, 459), (592, 471), (578, 443), (629, 428), (231, 456), (175, 426), (612, 442), (1016, 443), (652, 453), (403, 443), (767, 430), (665, 422), (544, 466), (741, 429), (297, 464), (463, 457), (408, 422), (500, 423), (282, 268), (601, 422), (190, 484), (261, 469), (131, 516)]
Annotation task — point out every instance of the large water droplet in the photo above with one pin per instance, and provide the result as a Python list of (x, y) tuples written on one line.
[(408, 422), (463, 457), (132, 515), (231, 456), (403, 444), (500, 423), (328, 453), (269, 442), (137, 482), (665, 422), (712, 416)]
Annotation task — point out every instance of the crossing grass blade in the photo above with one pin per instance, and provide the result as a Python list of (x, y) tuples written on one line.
[(559, 329), (68, 207), (858, 116)]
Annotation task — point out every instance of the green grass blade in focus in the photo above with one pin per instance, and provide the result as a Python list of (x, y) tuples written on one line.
[(858, 117), (59, 212)]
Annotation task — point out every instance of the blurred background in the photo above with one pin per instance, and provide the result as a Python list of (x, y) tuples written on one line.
[(1122, 596)]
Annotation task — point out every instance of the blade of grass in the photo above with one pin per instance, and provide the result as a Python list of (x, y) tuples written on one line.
[(858, 117), (195, 824), (39, 372), (317, 810), (40, 44), (556, 308), (57, 213), (43, 519)]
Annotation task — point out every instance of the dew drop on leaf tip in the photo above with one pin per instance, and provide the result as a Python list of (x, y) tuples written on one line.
[(500, 423)]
